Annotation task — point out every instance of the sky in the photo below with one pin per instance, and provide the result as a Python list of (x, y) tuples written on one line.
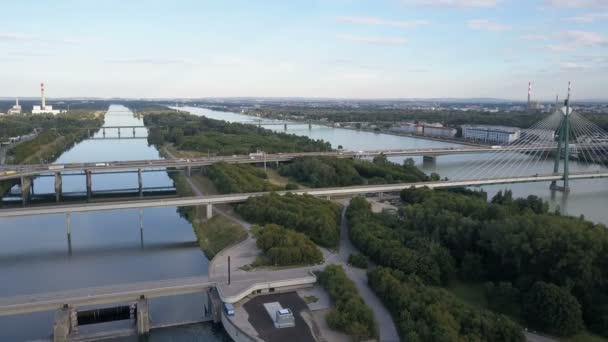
[(305, 48)]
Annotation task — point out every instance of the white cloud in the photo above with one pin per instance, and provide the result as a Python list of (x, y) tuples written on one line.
[(15, 37), (586, 38), (20, 37), (577, 3), (560, 47), (148, 61), (534, 37), (486, 25), (589, 17), (453, 3), (573, 66), (365, 20), (385, 40)]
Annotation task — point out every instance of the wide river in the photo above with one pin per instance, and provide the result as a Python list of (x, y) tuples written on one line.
[(109, 247), (587, 197)]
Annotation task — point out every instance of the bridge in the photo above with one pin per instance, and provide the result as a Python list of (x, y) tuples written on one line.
[(209, 201)]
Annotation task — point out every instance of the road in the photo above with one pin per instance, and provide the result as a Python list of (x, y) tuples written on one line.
[(386, 326), (101, 166), (320, 192)]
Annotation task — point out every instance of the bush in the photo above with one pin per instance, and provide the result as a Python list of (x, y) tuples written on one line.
[(286, 247), (317, 218), (291, 186), (350, 314), (239, 178), (427, 313), (321, 172), (358, 260), (550, 308)]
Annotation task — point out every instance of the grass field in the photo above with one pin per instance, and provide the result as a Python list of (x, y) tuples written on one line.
[(218, 233)]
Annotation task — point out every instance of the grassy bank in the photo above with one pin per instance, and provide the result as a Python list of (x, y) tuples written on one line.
[(213, 235), (218, 233)]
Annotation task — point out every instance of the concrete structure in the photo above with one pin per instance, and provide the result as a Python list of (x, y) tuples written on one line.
[(162, 164), (16, 108), (499, 135), (281, 318), (430, 130), (320, 192), (43, 108)]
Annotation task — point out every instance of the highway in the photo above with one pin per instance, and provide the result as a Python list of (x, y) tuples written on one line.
[(236, 198), (18, 171)]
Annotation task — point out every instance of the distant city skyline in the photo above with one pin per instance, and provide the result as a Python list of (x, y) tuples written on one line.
[(319, 49)]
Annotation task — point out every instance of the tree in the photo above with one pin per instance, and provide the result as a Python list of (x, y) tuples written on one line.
[(553, 309)]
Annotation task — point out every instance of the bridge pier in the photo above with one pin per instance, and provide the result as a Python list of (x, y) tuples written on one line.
[(89, 183), (189, 171), (133, 132), (119, 132), (429, 159), (62, 327), (140, 183), (209, 211), (309, 125), (26, 189), (58, 186), (285, 126), (142, 316), (103, 131)]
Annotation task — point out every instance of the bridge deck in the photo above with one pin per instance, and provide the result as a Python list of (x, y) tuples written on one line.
[(236, 198), (17, 171), (102, 295)]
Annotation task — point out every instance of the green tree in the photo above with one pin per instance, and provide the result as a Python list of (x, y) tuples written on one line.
[(553, 309)]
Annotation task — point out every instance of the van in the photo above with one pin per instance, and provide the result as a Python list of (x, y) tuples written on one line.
[(229, 309)]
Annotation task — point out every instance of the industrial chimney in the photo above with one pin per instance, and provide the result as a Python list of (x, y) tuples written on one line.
[(529, 93), (43, 103)]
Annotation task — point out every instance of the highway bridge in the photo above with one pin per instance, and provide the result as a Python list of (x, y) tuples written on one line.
[(18, 171), (209, 201)]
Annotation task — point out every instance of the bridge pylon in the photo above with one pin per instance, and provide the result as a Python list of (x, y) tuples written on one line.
[(563, 145)]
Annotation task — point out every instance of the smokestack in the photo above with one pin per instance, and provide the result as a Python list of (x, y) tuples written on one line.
[(529, 93), (43, 101)]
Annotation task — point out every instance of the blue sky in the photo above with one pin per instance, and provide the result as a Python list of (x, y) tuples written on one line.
[(310, 48)]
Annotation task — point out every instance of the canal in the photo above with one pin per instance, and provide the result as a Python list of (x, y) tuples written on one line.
[(106, 248)]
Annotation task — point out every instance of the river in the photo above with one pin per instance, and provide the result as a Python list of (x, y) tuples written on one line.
[(106, 247), (587, 197), (109, 248)]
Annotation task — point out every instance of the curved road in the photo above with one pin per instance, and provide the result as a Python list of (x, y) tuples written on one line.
[(386, 326)]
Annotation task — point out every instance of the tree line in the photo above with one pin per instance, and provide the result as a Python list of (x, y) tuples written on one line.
[(316, 218), (537, 261), (283, 246), (319, 172), (350, 314), (239, 178), (217, 137), (448, 117), (427, 313)]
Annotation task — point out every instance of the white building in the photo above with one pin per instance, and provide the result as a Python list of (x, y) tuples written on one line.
[(500, 135), (43, 108), (16, 108)]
